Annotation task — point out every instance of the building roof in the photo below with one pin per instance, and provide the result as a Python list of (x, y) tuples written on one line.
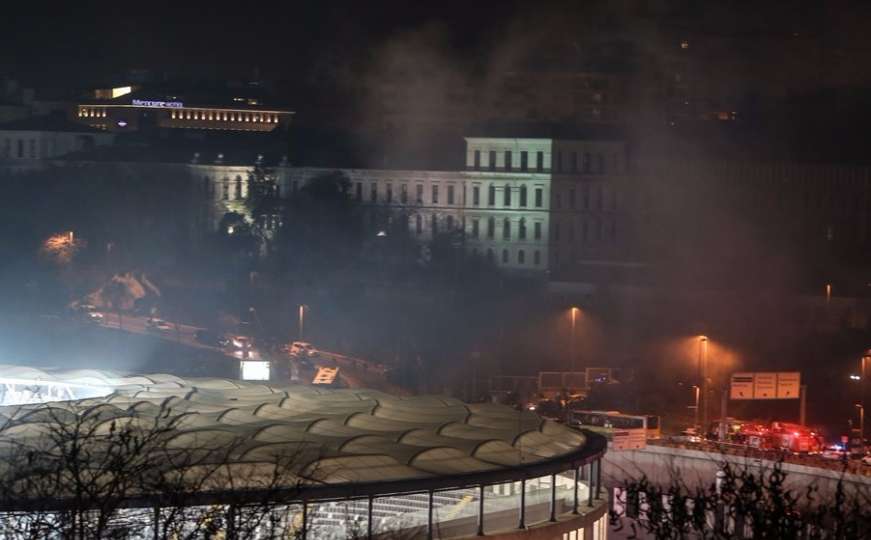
[(48, 123), (337, 436)]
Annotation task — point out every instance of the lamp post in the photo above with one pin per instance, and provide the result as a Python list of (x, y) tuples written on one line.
[(696, 408), (861, 425), (574, 312), (301, 320), (703, 373)]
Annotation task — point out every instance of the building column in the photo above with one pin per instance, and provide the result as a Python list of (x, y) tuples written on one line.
[(429, 516), (481, 510), (522, 524), (575, 501), (369, 527), (553, 497), (590, 486)]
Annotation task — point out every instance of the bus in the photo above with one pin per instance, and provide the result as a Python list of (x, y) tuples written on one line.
[(623, 431)]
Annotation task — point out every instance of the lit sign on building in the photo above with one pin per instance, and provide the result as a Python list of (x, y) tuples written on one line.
[(158, 104)]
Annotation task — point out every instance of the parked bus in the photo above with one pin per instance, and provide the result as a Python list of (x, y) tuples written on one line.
[(623, 431), (654, 429)]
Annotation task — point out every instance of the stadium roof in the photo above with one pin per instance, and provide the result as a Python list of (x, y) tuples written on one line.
[(336, 437)]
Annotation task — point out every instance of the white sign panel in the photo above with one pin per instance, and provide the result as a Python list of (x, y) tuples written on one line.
[(765, 386), (742, 386), (254, 370), (788, 385)]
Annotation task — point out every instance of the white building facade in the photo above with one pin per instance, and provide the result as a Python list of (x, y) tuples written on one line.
[(527, 204)]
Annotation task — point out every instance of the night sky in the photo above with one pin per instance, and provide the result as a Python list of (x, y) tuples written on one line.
[(83, 44)]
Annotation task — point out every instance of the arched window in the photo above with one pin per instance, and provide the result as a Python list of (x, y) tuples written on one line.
[(506, 196), (506, 229), (521, 229), (491, 227)]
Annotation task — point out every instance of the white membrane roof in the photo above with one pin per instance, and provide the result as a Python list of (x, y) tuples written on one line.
[(334, 435)]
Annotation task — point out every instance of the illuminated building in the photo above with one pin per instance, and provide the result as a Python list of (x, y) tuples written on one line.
[(131, 108), (527, 204)]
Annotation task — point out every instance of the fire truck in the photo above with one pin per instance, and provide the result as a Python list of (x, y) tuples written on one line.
[(773, 436)]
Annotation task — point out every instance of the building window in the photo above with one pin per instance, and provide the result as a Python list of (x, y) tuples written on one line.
[(373, 193), (586, 163), (558, 200), (598, 197), (572, 230), (449, 223), (32, 148), (521, 229), (574, 162), (613, 230), (505, 256), (585, 193), (539, 197), (434, 225), (600, 163), (521, 257), (614, 200), (491, 195), (490, 257), (238, 188), (598, 230), (435, 194), (556, 231), (476, 196), (508, 160), (450, 194), (536, 228), (523, 196), (418, 224), (572, 198), (491, 227), (524, 161), (225, 192), (475, 228), (536, 258), (539, 161), (419, 194), (389, 192), (559, 161), (506, 196), (506, 229), (477, 160), (403, 193), (585, 232), (491, 164)]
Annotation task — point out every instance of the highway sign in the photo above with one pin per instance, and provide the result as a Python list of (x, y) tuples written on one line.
[(765, 385), (788, 385), (742, 386)]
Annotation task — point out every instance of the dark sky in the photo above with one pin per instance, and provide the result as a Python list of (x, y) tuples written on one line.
[(78, 45)]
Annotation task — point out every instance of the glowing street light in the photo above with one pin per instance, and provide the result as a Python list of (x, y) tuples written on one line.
[(575, 311), (703, 373), (302, 308), (861, 424)]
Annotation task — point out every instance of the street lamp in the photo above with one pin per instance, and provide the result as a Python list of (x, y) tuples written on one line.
[(703, 374), (302, 308), (861, 424), (696, 408), (574, 311)]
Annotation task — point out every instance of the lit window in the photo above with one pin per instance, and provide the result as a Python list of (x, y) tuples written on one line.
[(684, 44)]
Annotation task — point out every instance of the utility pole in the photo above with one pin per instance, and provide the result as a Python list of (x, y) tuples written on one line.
[(703, 363)]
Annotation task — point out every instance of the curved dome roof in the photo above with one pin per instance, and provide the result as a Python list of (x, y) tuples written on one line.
[(335, 435)]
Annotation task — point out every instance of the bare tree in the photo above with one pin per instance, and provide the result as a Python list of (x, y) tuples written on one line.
[(97, 471), (740, 503)]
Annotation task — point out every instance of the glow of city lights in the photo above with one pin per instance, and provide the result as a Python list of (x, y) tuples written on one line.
[(61, 248)]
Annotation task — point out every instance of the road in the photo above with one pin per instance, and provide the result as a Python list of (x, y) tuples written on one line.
[(181, 333)]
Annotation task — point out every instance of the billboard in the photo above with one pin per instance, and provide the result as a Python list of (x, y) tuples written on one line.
[(766, 385)]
